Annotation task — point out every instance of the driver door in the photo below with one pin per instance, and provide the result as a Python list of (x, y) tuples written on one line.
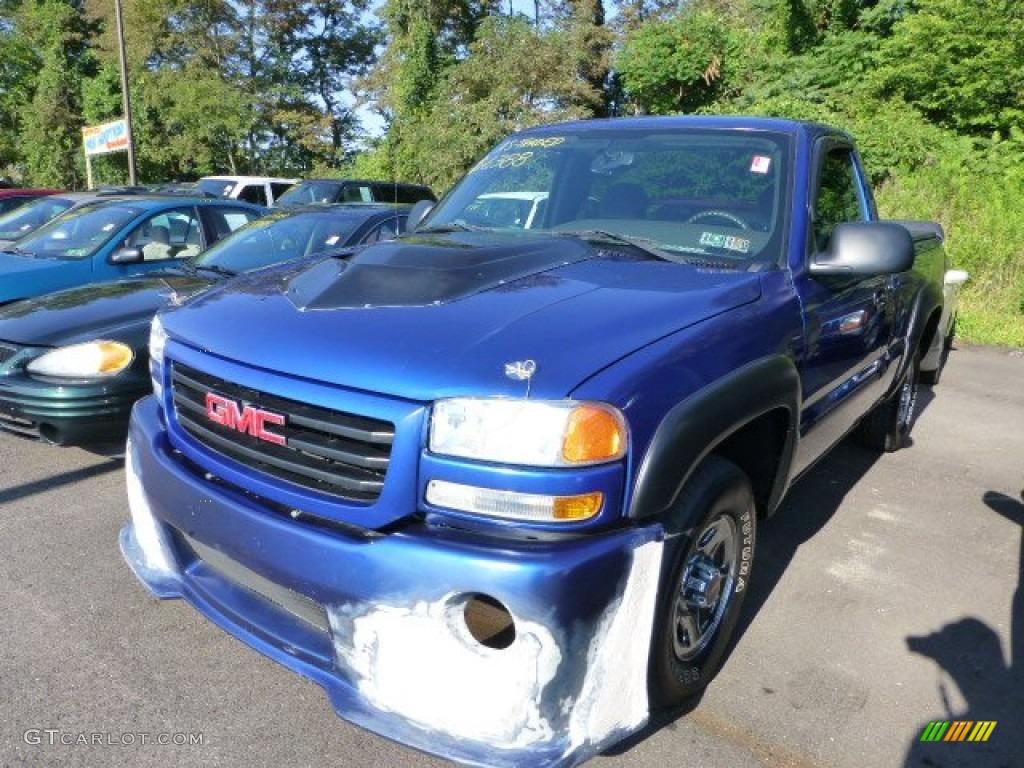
[(848, 321)]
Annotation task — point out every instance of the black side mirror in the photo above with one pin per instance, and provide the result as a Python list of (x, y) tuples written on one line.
[(417, 213), (126, 255), (865, 248)]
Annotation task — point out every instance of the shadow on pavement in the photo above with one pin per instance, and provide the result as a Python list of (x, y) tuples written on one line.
[(55, 481), (970, 654), (809, 506)]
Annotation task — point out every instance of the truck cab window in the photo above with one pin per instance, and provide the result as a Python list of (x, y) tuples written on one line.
[(839, 196)]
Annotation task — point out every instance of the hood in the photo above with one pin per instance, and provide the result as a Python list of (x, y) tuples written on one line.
[(422, 318), (25, 276), (117, 311)]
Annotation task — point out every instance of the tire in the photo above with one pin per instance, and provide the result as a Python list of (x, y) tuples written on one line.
[(705, 575), (887, 426)]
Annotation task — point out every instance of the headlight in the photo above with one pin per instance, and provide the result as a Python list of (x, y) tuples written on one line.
[(538, 433), (157, 341), (94, 358)]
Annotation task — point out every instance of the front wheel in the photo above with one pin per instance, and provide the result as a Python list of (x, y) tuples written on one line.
[(705, 576)]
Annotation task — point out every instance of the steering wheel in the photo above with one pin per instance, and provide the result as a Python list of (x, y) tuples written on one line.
[(732, 218)]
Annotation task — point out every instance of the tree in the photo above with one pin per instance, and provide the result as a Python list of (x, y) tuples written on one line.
[(960, 63), (18, 66), (336, 46), (684, 63), (51, 123), (587, 42), (514, 77)]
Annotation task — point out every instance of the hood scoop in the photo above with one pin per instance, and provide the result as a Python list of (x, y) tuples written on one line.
[(423, 270)]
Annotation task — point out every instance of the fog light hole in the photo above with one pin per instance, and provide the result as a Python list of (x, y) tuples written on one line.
[(489, 622)]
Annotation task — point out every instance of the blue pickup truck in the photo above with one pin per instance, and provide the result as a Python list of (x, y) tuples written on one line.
[(496, 485)]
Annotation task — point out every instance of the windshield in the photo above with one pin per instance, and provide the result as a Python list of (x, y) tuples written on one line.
[(30, 216), (311, 192), (280, 237), (686, 191), (79, 233)]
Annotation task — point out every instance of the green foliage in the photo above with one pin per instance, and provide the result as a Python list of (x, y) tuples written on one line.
[(931, 89), (960, 63), (684, 63), (976, 190), (50, 123), (514, 77)]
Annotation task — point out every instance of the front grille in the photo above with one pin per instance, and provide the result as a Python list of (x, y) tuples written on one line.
[(7, 352), (337, 453)]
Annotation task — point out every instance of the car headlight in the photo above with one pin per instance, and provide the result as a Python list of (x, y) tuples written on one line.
[(157, 342), (93, 358), (552, 433)]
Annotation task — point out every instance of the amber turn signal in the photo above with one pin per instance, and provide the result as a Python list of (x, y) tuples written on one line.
[(594, 434)]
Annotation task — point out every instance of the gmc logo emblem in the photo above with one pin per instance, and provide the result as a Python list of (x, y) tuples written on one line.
[(252, 421)]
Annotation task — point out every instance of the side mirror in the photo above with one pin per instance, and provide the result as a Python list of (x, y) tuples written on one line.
[(417, 213), (126, 255), (865, 248)]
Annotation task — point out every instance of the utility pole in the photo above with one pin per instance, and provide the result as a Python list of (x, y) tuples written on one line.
[(125, 96)]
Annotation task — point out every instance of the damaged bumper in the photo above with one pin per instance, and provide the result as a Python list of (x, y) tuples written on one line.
[(485, 651)]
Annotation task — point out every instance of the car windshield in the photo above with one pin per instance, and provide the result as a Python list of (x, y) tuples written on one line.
[(280, 237), (30, 216), (680, 192), (307, 192), (80, 233)]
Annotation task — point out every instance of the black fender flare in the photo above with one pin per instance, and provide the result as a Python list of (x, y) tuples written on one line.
[(693, 428), (925, 303)]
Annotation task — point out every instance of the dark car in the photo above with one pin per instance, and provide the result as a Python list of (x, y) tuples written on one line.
[(122, 237), (72, 363), (15, 198), (314, 191)]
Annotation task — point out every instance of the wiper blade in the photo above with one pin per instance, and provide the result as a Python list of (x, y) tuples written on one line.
[(640, 243), (454, 226), (215, 268), (17, 251)]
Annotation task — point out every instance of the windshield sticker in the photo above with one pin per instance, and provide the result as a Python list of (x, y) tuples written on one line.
[(726, 242), (508, 160), (760, 164), (75, 253), (550, 141), (332, 240)]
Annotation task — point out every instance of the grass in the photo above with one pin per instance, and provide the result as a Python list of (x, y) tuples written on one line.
[(984, 235)]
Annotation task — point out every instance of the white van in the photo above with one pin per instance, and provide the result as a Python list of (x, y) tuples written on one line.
[(261, 190)]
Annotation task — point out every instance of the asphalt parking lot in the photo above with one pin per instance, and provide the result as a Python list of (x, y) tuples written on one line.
[(887, 595)]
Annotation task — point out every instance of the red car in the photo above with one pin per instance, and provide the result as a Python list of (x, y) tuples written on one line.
[(12, 198)]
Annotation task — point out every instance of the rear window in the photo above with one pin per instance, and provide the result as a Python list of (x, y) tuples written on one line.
[(402, 193), (253, 193), (216, 187)]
